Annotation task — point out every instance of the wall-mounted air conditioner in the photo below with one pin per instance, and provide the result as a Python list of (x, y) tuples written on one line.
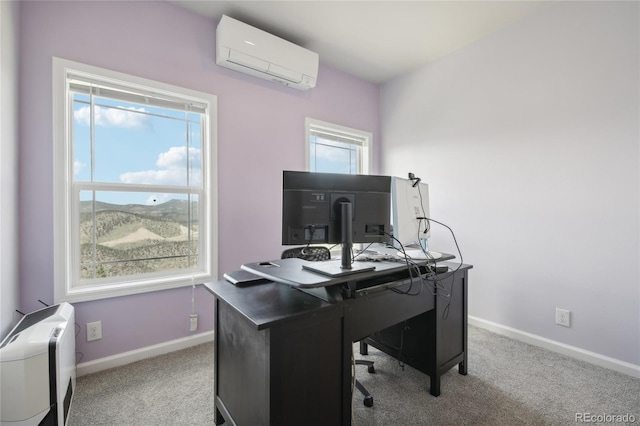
[(252, 51), (38, 368)]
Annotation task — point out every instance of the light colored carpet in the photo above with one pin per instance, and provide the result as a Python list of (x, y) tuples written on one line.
[(509, 383)]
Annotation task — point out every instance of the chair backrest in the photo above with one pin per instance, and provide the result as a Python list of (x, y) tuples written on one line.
[(313, 253)]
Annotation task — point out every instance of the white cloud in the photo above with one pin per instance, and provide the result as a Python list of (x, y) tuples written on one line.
[(177, 157), (172, 169), (111, 117), (77, 167)]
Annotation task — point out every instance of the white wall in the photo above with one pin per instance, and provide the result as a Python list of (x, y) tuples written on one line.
[(9, 295), (529, 139)]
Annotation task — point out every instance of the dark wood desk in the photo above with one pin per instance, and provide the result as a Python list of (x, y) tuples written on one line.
[(283, 357)]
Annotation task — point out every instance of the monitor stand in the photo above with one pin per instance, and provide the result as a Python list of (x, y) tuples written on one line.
[(329, 294), (346, 266), (333, 269)]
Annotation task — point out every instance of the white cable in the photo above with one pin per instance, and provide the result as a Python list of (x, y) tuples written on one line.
[(193, 294)]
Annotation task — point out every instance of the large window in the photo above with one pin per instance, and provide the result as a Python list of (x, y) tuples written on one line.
[(135, 206), (337, 149)]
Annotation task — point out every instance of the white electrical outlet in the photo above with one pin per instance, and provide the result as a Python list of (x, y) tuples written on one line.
[(193, 322), (94, 331), (563, 317)]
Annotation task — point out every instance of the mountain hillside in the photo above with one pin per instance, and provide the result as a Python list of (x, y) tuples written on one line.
[(133, 238)]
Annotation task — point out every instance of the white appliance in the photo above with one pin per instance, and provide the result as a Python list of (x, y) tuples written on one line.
[(38, 368), (252, 51), (409, 210)]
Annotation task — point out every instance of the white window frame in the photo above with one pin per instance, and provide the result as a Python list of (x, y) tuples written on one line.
[(360, 137), (66, 213)]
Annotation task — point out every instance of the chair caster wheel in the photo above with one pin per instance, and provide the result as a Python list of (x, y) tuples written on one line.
[(371, 369), (368, 401)]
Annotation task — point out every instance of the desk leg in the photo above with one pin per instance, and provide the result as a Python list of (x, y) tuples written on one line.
[(364, 348), (218, 419), (435, 384), (462, 367)]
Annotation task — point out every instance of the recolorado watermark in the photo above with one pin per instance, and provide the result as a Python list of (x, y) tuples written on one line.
[(604, 418)]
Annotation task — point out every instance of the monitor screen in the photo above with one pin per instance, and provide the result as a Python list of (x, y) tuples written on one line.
[(409, 210), (312, 203)]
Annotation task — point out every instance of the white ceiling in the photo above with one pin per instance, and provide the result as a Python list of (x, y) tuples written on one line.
[(374, 40)]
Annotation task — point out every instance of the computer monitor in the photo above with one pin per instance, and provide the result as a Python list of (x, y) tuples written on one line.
[(409, 210), (335, 208)]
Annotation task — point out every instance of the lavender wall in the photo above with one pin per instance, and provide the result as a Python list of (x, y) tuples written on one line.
[(9, 289), (261, 132)]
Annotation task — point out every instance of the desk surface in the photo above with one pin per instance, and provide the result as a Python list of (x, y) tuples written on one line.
[(291, 271), (268, 304)]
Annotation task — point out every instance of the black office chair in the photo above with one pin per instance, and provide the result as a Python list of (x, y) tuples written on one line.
[(311, 253), (319, 253)]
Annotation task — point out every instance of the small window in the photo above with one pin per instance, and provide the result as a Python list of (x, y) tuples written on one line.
[(134, 184), (337, 149)]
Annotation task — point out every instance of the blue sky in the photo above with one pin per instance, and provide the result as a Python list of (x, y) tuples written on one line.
[(134, 144), (332, 157), (148, 145)]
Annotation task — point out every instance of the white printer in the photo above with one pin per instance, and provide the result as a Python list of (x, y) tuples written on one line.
[(38, 368)]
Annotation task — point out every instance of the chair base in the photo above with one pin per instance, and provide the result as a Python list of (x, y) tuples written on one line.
[(368, 399)]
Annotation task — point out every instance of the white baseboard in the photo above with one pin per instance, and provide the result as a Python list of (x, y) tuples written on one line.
[(572, 351), (186, 342), (124, 358)]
